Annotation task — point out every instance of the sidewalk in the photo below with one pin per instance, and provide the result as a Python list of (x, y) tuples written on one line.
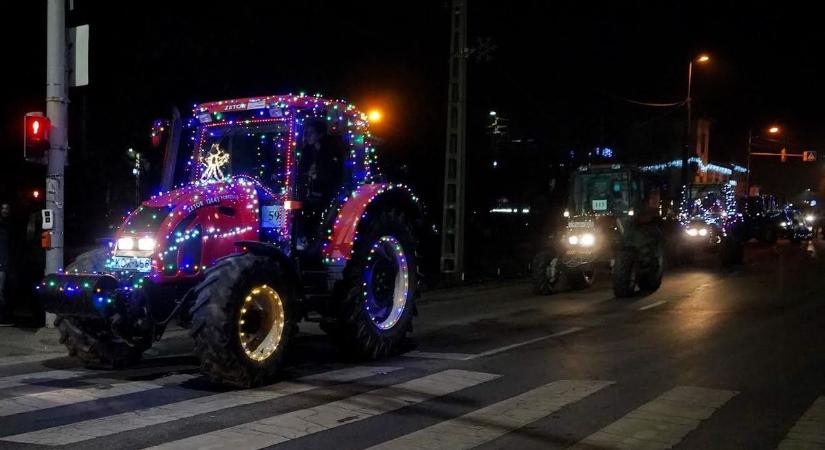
[(29, 344)]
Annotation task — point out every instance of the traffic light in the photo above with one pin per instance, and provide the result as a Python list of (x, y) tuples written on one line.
[(783, 155), (36, 137)]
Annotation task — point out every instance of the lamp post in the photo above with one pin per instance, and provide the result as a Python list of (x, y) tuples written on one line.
[(774, 130), (702, 59)]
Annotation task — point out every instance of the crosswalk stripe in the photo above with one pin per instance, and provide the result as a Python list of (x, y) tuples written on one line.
[(809, 430), (488, 423), (133, 420), (284, 427), (661, 423), (26, 379), (64, 397)]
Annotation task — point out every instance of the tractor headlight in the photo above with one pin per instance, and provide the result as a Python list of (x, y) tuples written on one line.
[(587, 240), (692, 231), (703, 231), (146, 243), (573, 239), (810, 218), (566, 213), (125, 243), (783, 224)]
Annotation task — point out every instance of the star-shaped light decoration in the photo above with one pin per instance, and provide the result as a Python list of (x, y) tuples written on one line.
[(214, 162)]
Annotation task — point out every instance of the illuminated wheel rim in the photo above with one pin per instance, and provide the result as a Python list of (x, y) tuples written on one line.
[(386, 283), (261, 322)]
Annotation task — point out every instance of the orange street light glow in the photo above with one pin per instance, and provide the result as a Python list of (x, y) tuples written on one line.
[(773, 130), (375, 115), (703, 58)]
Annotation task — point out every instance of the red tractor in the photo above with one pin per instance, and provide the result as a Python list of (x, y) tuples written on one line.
[(284, 216)]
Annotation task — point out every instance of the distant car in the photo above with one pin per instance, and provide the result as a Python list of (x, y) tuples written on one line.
[(796, 226)]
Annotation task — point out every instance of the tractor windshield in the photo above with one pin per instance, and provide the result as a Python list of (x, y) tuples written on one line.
[(258, 150), (603, 193), (705, 199)]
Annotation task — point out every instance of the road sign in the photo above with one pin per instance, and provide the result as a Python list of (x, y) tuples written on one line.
[(809, 156)]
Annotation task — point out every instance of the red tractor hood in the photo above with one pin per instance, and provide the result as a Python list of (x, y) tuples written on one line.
[(216, 214)]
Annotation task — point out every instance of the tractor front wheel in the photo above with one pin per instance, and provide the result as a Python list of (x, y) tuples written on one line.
[(581, 277), (97, 348), (242, 320), (545, 273)]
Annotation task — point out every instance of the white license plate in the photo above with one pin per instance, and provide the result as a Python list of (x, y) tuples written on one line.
[(131, 263)]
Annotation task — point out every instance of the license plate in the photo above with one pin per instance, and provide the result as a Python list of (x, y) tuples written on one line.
[(131, 263)]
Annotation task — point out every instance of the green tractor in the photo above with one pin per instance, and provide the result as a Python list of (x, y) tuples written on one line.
[(613, 219)]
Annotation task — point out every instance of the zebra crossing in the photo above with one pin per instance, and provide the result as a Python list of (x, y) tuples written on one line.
[(658, 423)]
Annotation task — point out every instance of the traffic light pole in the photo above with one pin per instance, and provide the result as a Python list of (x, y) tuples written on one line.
[(57, 112)]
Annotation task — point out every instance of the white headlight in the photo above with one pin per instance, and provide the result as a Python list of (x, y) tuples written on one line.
[(703, 231), (783, 224), (810, 218), (573, 240), (631, 212), (588, 239), (146, 243), (691, 232), (125, 243), (566, 213)]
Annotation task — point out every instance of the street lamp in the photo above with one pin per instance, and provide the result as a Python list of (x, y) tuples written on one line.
[(701, 59), (375, 115), (773, 130)]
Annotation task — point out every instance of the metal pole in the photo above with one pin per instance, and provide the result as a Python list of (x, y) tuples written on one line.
[(57, 111), (687, 144), (452, 230), (748, 175)]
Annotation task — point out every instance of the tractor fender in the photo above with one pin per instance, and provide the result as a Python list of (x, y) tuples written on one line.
[(337, 248), (272, 251)]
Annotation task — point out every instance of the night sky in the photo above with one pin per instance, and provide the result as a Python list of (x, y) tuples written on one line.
[(558, 70)]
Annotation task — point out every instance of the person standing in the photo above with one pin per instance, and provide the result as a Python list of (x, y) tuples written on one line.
[(5, 261)]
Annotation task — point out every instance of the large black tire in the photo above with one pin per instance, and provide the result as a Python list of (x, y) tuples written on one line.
[(580, 277), (545, 273), (624, 273), (97, 349), (353, 330), (651, 268), (216, 316)]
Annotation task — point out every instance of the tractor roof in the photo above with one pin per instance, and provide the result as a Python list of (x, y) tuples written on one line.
[(289, 101)]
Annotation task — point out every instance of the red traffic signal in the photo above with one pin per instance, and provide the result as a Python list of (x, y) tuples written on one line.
[(36, 136)]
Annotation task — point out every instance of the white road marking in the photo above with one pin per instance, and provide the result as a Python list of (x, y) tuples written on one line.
[(435, 355), (285, 427), (485, 424), (14, 360), (809, 431), (63, 397), (133, 420), (26, 379), (661, 423), (495, 351), (653, 305)]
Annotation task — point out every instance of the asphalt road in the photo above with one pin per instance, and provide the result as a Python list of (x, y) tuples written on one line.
[(714, 359)]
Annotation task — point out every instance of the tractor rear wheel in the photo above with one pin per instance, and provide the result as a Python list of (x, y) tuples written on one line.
[(379, 289), (651, 268), (624, 274), (243, 320)]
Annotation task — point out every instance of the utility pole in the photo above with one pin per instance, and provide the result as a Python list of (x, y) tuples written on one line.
[(452, 230), (57, 112), (687, 144)]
